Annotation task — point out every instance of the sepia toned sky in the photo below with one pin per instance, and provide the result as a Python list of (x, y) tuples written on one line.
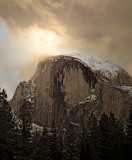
[(33, 29)]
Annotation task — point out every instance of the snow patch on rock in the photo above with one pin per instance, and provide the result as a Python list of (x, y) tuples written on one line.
[(74, 124), (89, 98), (125, 89), (36, 128), (109, 70)]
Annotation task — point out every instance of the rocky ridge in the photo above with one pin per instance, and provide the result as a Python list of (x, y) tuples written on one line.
[(69, 88)]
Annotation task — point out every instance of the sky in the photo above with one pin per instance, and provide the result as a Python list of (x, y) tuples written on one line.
[(33, 29)]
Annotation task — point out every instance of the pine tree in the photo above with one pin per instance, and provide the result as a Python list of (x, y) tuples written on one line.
[(43, 145), (7, 128), (111, 136), (128, 146), (55, 143), (129, 126), (89, 139), (38, 145), (85, 153), (116, 137), (25, 130), (92, 136), (71, 144), (50, 144), (104, 135)]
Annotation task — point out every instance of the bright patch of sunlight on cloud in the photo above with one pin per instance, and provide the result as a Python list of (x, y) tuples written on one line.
[(42, 41)]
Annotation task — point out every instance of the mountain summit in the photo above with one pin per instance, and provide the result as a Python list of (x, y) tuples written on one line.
[(69, 88)]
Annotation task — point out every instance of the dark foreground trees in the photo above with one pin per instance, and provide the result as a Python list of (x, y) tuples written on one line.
[(111, 137), (101, 139), (7, 128), (71, 144), (49, 144), (24, 132), (128, 142)]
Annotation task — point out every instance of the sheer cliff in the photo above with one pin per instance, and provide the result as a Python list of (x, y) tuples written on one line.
[(69, 88)]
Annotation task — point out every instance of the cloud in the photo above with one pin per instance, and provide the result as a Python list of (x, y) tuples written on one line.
[(93, 21), (101, 27)]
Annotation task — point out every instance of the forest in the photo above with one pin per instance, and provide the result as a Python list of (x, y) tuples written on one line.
[(106, 138)]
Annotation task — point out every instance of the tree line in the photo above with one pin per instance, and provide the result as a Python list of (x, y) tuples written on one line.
[(102, 139)]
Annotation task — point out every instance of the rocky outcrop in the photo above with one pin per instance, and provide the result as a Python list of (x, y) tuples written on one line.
[(66, 88)]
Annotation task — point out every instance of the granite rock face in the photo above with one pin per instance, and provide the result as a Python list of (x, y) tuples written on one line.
[(67, 89)]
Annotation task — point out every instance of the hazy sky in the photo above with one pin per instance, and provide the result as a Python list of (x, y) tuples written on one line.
[(32, 29)]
